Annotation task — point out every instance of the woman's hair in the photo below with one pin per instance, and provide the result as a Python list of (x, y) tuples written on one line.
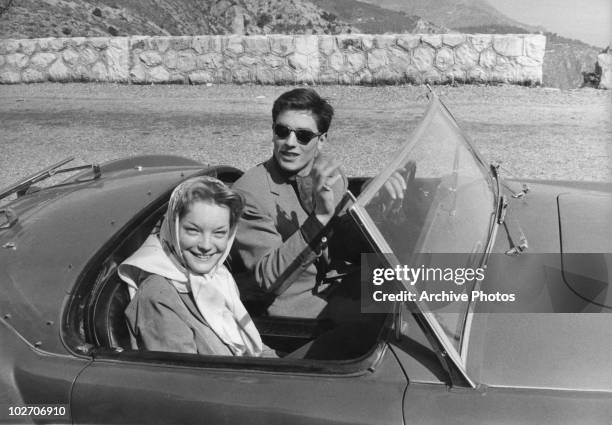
[(305, 99), (209, 189)]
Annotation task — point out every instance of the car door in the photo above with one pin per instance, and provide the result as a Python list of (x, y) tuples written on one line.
[(145, 387)]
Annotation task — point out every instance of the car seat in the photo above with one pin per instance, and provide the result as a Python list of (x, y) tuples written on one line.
[(111, 298)]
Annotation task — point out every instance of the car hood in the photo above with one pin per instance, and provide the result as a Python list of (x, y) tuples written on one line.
[(585, 223), (566, 267), (566, 272)]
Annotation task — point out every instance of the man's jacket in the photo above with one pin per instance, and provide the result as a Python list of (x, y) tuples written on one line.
[(280, 243)]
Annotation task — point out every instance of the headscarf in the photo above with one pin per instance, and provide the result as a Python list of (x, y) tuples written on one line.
[(215, 293)]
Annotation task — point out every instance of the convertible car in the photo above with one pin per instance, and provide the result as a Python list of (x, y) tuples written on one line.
[(543, 355)]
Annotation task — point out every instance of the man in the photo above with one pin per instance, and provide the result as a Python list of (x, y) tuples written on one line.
[(288, 228)]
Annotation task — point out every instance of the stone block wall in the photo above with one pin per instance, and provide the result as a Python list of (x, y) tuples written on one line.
[(278, 59), (64, 59)]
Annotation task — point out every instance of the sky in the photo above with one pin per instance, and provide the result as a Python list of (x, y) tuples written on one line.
[(586, 20)]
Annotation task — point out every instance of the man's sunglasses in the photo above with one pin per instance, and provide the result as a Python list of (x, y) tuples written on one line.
[(303, 136)]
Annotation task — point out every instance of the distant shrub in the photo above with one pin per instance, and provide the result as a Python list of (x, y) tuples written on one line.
[(66, 31), (263, 19), (492, 29), (97, 12), (113, 31), (5, 7), (329, 17)]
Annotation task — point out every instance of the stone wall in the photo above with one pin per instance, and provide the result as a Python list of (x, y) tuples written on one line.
[(278, 59), (64, 59), (605, 62)]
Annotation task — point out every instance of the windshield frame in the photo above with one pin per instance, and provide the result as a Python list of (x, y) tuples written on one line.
[(448, 352)]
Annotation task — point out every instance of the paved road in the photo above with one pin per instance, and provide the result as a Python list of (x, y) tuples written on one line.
[(537, 133)]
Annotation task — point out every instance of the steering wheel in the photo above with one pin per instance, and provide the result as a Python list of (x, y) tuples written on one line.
[(409, 172)]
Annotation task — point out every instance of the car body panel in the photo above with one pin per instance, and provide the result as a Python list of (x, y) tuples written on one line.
[(558, 258), (429, 400), (585, 219), (582, 209), (74, 221), (29, 376), (554, 337), (568, 352), (433, 404), (585, 227), (140, 392), (568, 263)]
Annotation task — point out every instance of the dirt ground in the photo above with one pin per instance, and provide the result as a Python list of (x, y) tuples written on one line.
[(536, 132)]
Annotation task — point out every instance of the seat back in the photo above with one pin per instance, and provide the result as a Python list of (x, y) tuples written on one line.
[(110, 325)]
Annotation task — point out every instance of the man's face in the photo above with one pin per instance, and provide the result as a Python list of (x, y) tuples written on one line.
[(291, 155)]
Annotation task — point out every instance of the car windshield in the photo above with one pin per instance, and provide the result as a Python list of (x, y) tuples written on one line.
[(448, 208)]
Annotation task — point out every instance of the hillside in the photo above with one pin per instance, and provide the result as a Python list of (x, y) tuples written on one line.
[(372, 19), (76, 18), (565, 59), (452, 13), (81, 18)]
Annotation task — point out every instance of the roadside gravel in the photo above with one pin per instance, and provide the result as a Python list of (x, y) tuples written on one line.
[(536, 132)]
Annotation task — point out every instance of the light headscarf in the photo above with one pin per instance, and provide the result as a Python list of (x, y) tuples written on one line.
[(215, 293)]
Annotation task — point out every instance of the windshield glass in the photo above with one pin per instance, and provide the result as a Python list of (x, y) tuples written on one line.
[(448, 207)]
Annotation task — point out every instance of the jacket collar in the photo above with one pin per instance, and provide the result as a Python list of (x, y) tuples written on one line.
[(279, 180), (277, 177)]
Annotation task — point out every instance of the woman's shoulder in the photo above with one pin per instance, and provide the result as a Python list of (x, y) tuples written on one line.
[(155, 287)]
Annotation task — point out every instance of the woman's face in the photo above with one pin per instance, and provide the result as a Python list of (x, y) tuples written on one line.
[(203, 235)]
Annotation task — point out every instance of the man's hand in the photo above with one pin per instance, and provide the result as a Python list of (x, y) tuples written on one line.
[(395, 188), (325, 173)]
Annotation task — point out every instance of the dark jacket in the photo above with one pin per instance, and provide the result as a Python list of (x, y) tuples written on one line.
[(280, 243)]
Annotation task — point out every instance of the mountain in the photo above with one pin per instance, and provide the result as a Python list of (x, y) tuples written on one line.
[(371, 19), (75, 18), (78, 18), (453, 13)]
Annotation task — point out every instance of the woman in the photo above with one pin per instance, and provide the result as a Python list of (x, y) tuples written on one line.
[(183, 298)]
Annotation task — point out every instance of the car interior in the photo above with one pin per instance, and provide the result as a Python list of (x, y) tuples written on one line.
[(96, 320)]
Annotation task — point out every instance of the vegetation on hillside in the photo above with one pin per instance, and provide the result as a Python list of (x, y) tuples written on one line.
[(87, 18)]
